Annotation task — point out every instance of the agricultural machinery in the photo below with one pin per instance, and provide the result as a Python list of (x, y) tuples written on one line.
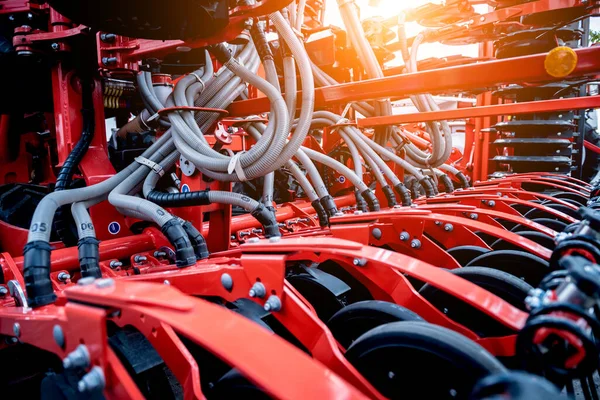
[(286, 199)]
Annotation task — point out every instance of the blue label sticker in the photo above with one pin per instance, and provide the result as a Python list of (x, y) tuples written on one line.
[(185, 188), (114, 228), (342, 179)]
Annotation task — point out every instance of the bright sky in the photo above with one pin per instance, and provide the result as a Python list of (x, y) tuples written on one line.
[(388, 8)]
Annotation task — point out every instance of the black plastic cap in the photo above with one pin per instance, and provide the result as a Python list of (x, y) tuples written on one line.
[(197, 240), (361, 204), (404, 194), (389, 195), (447, 183), (329, 205), (267, 220), (36, 271), (89, 257), (464, 182), (321, 214), (371, 200), (184, 251)]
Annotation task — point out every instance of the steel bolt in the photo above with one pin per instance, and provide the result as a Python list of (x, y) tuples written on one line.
[(59, 336), (415, 243), (491, 203), (404, 236), (17, 329), (63, 276), (258, 290), (11, 17), (55, 46), (166, 282), (376, 233), (359, 262), (438, 223), (253, 240), (92, 381), (108, 37), (227, 282), (3, 291), (109, 61), (139, 259), (29, 16), (448, 227), (257, 231), (78, 358), (272, 304), (473, 216), (243, 234), (160, 254), (115, 264)]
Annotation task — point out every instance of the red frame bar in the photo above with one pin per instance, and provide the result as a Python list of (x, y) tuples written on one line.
[(485, 111), (443, 80)]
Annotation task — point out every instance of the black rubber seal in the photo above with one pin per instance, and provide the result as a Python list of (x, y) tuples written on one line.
[(184, 251), (36, 272), (89, 257)]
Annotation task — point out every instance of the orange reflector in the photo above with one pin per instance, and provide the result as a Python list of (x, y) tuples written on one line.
[(560, 61)]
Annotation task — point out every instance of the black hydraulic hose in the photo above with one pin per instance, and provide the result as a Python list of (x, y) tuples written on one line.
[(323, 217), (361, 204), (260, 42), (464, 182), (404, 194), (36, 273), (389, 195), (185, 255), (187, 199), (428, 186), (198, 241), (447, 182), (200, 198), (89, 257), (433, 185), (329, 205), (65, 175), (371, 200)]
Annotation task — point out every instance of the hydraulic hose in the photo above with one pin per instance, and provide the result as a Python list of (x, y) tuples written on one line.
[(36, 254), (88, 245), (65, 175)]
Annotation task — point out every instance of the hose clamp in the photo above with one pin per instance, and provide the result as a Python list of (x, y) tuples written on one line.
[(155, 167), (200, 81), (236, 166)]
